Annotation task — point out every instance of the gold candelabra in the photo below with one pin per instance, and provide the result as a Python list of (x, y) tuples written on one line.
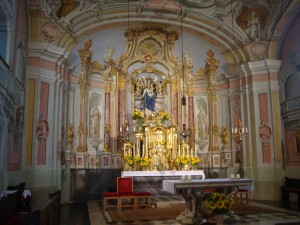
[(239, 132)]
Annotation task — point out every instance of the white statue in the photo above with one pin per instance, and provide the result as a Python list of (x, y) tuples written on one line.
[(109, 53), (95, 118), (253, 30), (202, 125)]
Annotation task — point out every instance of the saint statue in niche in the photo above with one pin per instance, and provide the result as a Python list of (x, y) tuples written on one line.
[(253, 30), (202, 125), (148, 98), (95, 118)]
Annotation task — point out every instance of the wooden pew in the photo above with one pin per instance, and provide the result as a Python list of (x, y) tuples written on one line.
[(48, 213), (290, 185), (9, 209)]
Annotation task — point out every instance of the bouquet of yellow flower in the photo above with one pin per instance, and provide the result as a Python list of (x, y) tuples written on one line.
[(164, 116), (144, 161), (183, 160), (131, 161), (138, 115), (194, 160), (219, 203)]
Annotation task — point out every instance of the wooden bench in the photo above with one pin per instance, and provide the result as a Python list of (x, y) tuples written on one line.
[(48, 213), (10, 207), (290, 185)]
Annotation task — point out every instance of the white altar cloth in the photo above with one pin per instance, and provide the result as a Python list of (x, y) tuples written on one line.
[(163, 173), (172, 185)]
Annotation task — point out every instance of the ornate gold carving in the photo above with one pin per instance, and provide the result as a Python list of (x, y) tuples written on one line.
[(85, 56), (84, 84), (224, 135), (215, 130), (70, 136), (107, 87), (107, 129), (211, 65), (82, 130), (172, 37), (150, 50), (122, 83), (148, 68), (82, 148), (214, 148)]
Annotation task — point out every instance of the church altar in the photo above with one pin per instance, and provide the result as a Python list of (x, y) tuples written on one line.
[(193, 193), (163, 173)]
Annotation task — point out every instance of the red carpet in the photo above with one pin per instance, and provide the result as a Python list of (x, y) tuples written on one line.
[(172, 212)]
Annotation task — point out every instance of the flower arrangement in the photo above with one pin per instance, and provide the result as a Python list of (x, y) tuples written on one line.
[(164, 116), (138, 115), (183, 160), (194, 160), (220, 204), (131, 161), (144, 161)]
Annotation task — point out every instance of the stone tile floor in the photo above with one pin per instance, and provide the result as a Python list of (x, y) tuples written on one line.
[(90, 213)]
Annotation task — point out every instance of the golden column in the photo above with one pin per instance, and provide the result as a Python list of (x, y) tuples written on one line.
[(209, 71), (85, 56)]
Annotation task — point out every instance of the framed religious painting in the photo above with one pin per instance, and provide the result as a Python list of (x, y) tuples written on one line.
[(94, 162), (105, 161), (80, 161), (216, 162)]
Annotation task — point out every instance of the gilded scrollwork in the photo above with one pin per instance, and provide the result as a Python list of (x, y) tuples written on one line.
[(224, 135), (70, 136), (107, 128)]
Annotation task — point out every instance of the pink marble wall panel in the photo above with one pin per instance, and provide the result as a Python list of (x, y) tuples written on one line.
[(44, 98), (264, 117), (33, 61)]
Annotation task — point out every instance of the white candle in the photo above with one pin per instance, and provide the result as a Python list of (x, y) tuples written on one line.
[(238, 176), (232, 176)]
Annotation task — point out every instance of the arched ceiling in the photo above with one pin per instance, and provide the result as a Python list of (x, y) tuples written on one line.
[(220, 24)]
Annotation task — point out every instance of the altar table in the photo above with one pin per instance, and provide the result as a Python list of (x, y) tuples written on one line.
[(193, 193), (151, 181), (163, 173)]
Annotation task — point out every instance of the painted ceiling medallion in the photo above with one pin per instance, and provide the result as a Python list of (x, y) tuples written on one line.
[(50, 31), (258, 49)]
